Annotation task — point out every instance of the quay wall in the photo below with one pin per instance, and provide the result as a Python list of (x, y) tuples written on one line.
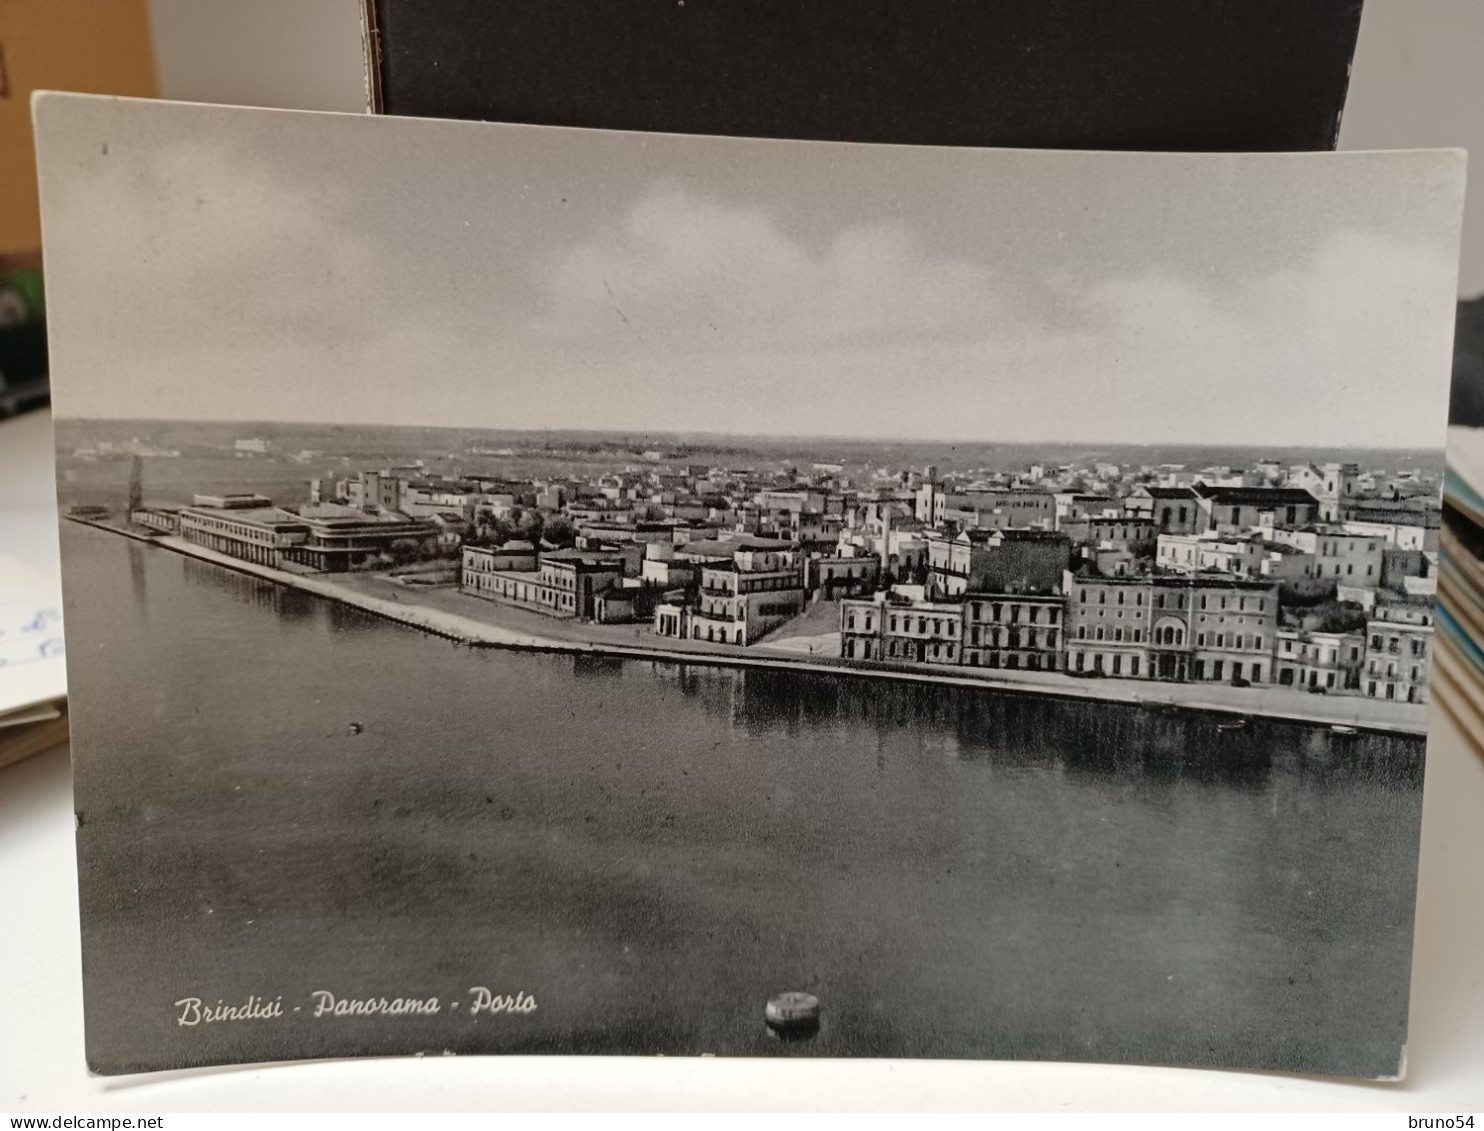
[(476, 633)]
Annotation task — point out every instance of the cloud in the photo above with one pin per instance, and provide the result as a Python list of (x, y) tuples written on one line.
[(691, 272), (692, 302), (1346, 348), (205, 245)]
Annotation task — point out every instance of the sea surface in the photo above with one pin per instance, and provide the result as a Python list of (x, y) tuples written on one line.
[(278, 795)]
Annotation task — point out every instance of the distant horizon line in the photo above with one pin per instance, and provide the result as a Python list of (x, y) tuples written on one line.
[(1439, 448)]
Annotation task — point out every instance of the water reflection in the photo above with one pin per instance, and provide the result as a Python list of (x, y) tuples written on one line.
[(138, 578), (587, 666), (291, 604)]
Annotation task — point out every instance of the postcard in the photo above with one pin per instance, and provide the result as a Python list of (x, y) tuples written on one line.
[(552, 591)]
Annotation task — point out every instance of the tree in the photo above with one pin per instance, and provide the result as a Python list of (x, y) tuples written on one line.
[(1336, 617), (403, 551), (920, 574), (529, 526), (560, 532), (1144, 547)]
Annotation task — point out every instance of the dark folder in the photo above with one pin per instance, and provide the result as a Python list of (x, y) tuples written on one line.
[(1087, 74)]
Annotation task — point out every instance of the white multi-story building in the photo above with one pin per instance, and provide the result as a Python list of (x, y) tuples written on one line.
[(1398, 657), (1327, 661)]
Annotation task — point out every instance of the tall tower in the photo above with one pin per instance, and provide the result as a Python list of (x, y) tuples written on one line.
[(136, 485)]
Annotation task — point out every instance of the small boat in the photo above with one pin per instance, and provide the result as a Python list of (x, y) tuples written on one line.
[(1341, 728), (1159, 706), (1235, 724), (792, 1012)]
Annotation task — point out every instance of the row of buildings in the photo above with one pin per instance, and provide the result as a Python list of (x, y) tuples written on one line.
[(1309, 577), (1313, 575), (1184, 628)]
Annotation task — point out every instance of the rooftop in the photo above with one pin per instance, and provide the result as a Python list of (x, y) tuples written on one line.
[(580, 560), (513, 547), (338, 514), (262, 516), (1167, 492), (1257, 496)]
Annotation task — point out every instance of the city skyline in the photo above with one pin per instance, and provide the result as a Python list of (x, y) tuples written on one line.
[(691, 435), (364, 270)]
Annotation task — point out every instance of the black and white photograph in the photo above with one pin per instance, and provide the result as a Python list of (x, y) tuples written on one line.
[(555, 591)]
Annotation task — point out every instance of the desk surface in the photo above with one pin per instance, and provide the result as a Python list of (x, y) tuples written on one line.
[(41, 1060)]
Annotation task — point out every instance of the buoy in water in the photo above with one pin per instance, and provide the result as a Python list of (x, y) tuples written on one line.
[(792, 1012)]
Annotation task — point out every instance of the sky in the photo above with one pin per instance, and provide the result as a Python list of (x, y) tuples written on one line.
[(214, 263)]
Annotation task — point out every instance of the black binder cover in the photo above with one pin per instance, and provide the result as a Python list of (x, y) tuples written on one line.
[(1084, 74)]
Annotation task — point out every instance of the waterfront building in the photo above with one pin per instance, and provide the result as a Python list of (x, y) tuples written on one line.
[(740, 599), (917, 630), (1398, 658), (672, 616), (1013, 630), (1108, 628), (1327, 661), (564, 584), (166, 520), (861, 621), (1235, 625), (244, 526), (344, 537), (477, 563), (1198, 627), (901, 624)]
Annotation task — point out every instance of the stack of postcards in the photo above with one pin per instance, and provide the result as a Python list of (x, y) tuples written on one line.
[(1459, 667)]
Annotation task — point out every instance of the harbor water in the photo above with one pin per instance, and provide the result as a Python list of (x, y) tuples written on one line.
[(279, 795)]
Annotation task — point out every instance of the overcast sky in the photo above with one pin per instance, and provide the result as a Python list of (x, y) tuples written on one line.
[(220, 264)]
